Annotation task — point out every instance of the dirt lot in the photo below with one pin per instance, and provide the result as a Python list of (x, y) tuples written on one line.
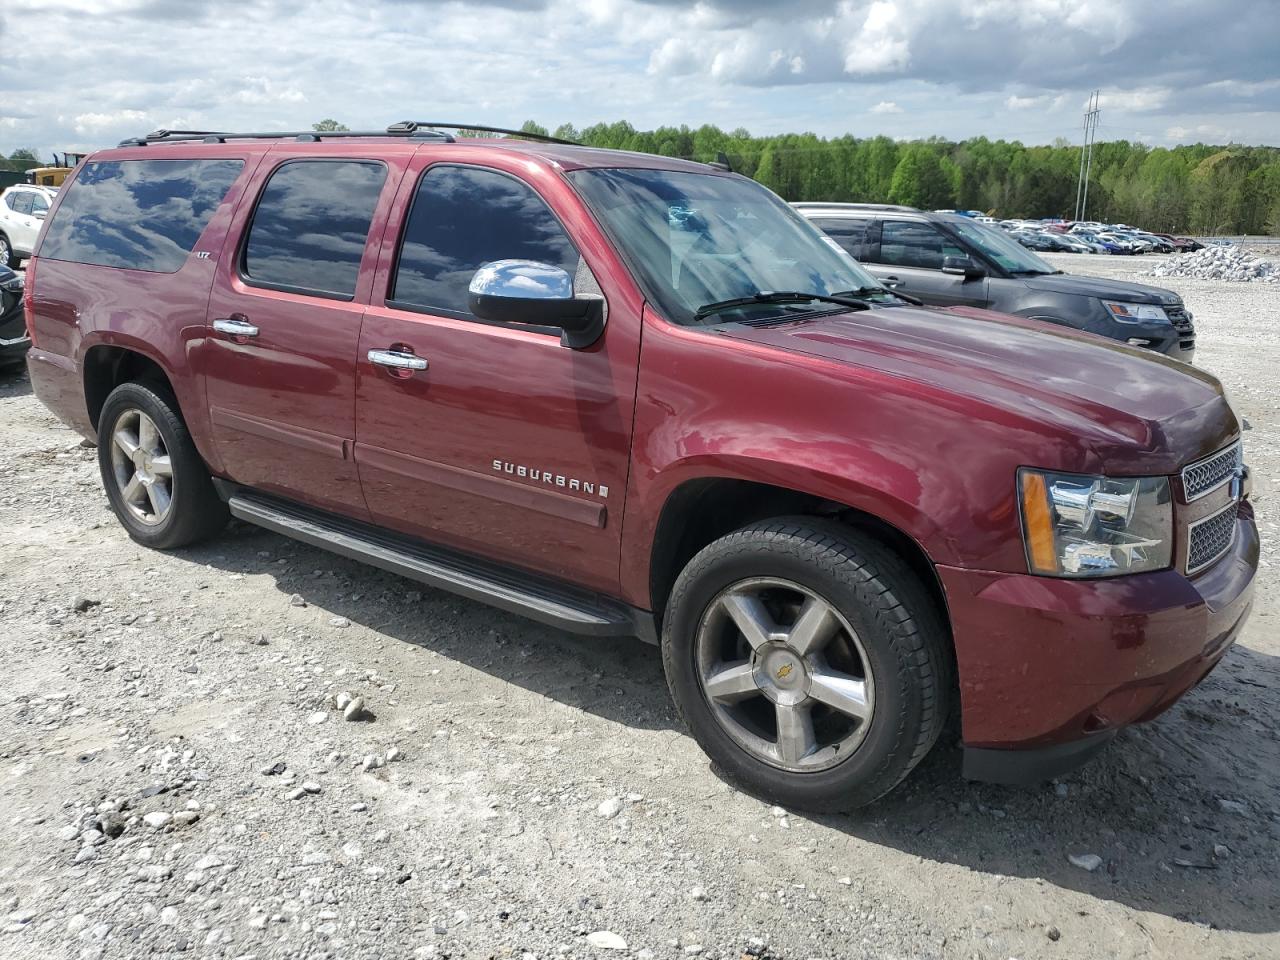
[(155, 694)]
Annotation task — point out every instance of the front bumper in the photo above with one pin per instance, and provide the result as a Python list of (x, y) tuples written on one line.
[(14, 341), (1045, 661)]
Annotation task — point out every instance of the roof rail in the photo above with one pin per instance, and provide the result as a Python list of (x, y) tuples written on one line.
[(414, 126), (314, 136), (815, 204)]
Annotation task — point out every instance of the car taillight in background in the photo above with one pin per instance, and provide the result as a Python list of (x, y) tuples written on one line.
[(28, 300)]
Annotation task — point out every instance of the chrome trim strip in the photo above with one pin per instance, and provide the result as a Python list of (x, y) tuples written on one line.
[(15, 341), (1191, 529), (1203, 460)]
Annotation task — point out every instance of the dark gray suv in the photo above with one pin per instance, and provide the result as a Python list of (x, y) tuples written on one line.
[(950, 260)]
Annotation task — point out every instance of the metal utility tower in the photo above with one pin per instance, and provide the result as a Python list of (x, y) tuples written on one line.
[(1086, 154)]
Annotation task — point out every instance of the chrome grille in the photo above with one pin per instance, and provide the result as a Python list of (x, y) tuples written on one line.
[(1209, 474), (1210, 538)]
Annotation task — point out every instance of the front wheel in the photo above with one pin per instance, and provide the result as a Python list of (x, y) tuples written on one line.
[(155, 480), (808, 661), (8, 256)]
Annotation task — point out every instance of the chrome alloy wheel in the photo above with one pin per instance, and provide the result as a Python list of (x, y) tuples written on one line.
[(785, 674), (143, 470)]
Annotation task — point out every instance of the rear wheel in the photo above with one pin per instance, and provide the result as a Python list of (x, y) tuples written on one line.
[(155, 480), (8, 257), (808, 661)]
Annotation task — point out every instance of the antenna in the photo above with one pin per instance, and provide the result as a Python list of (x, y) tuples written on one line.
[(1086, 154)]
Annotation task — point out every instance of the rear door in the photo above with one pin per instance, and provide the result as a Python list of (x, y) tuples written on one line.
[(855, 236), (909, 258), (504, 443), (284, 324)]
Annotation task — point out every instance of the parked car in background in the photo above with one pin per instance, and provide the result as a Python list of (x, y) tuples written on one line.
[(524, 372), (1182, 244), (13, 332), (955, 261), (1073, 244), (23, 209)]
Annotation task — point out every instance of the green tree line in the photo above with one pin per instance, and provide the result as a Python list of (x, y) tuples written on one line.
[(1198, 189)]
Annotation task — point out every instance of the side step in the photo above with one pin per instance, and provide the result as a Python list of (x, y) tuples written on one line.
[(539, 598)]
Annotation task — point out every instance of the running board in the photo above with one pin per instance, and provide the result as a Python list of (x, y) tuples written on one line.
[(539, 598)]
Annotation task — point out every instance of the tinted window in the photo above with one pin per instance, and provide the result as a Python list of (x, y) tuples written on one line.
[(138, 214), (463, 218), (908, 244), (10, 199), (38, 203), (311, 224), (850, 235), (22, 202)]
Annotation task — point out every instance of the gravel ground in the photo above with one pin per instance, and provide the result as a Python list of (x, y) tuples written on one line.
[(176, 780)]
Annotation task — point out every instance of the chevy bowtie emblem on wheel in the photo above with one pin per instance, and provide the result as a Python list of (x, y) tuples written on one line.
[(784, 671)]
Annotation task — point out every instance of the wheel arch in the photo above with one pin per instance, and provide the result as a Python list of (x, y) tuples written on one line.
[(702, 509)]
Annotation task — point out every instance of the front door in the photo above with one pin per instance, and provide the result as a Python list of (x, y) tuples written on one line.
[(503, 442), (909, 258), (284, 322)]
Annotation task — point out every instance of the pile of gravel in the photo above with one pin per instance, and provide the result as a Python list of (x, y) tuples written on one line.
[(1228, 262)]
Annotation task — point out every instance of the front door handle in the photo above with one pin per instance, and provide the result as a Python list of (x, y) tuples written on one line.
[(235, 325), (397, 360), (891, 281)]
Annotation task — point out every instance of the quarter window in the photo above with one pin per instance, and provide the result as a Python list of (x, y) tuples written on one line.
[(137, 214), (907, 244), (311, 225), (463, 218), (22, 202)]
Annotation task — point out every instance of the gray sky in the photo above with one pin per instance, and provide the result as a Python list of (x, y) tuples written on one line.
[(81, 74)]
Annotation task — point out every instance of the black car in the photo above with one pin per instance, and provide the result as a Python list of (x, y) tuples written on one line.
[(14, 341), (949, 260)]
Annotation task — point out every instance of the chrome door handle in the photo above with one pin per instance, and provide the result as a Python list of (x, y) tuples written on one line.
[(891, 282), (235, 327), (397, 359)]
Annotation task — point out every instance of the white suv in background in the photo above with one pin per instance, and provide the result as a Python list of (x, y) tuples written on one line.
[(23, 208)]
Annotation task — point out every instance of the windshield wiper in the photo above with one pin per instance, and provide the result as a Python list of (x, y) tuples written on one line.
[(870, 291), (777, 296)]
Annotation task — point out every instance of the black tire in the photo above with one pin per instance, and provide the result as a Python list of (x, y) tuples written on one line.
[(897, 622), (8, 256), (196, 512)]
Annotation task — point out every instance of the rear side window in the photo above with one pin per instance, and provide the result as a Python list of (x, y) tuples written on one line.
[(39, 204), (852, 236), (463, 218), (907, 244), (309, 230), (138, 214)]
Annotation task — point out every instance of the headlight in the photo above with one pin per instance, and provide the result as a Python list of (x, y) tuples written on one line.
[(1082, 526), (1133, 312)]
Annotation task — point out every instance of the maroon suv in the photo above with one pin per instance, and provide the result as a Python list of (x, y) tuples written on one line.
[(630, 395)]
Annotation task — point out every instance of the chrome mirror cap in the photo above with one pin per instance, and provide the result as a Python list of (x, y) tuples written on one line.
[(522, 280)]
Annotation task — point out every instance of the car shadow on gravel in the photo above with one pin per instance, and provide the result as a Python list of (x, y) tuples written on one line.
[(618, 679), (1150, 806), (1183, 812), (14, 381)]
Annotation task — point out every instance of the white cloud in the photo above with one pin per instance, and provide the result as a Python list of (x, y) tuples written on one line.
[(93, 123), (886, 106)]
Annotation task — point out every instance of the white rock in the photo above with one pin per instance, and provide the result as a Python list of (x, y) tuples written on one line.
[(354, 710), (610, 808), (606, 940), (1086, 861), (169, 916), (157, 819)]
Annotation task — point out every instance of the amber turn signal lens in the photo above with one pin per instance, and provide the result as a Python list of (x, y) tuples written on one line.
[(1038, 522)]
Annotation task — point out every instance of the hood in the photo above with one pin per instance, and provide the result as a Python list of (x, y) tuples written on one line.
[(1099, 287), (1137, 411)]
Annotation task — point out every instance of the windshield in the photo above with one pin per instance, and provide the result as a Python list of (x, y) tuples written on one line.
[(697, 239), (1000, 247)]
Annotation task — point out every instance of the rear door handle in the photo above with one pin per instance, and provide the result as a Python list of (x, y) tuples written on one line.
[(235, 326), (397, 360), (891, 281)]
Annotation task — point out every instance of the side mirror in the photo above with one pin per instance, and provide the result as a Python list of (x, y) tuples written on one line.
[(537, 294), (962, 267)]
